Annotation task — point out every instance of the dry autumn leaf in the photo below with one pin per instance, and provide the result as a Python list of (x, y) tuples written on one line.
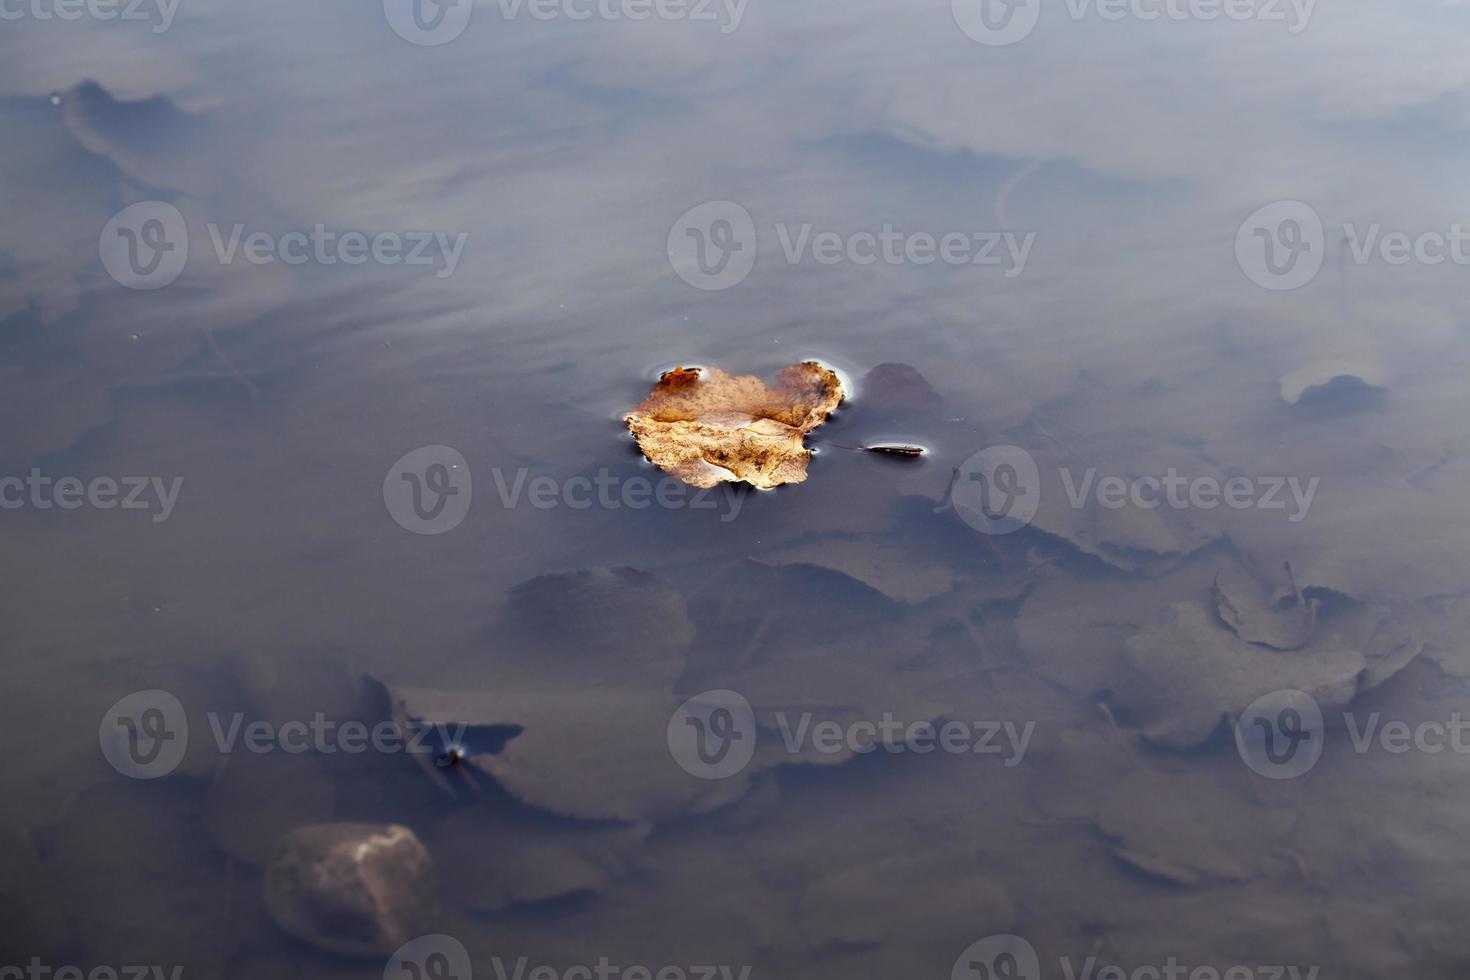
[(705, 426)]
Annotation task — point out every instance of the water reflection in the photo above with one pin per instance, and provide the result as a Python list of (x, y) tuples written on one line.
[(281, 261)]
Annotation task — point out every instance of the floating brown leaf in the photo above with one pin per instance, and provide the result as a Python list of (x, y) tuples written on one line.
[(705, 426)]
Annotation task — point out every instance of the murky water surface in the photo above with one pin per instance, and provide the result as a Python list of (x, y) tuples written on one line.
[(317, 326)]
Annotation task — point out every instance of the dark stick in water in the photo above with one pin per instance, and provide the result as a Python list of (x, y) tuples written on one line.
[(886, 448)]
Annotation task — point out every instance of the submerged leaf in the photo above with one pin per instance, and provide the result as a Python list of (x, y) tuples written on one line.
[(507, 857), (898, 391), (1314, 378), (861, 904), (705, 426), (255, 799), (899, 573), (1245, 607), (1182, 677), (1193, 827)]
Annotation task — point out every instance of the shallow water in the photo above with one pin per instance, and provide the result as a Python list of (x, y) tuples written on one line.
[(1124, 299)]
